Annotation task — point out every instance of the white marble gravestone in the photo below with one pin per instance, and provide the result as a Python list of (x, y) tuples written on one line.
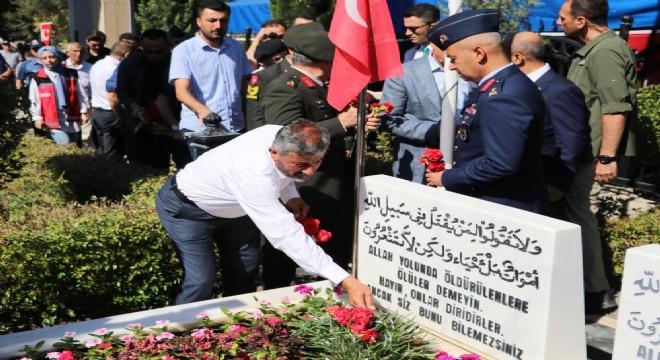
[(502, 281), (638, 327)]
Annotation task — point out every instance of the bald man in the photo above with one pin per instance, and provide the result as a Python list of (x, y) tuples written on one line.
[(566, 128), (498, 147)]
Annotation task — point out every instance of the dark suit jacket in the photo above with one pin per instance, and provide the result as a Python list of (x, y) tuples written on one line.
[(291, 97), (566, 141), (498, 149)]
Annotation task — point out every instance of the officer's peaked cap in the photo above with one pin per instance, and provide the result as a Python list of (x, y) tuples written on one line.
[(462, 25)]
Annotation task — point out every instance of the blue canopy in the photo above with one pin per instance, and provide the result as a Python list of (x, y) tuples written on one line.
[(253, 13), (644, 12), (248, 13)]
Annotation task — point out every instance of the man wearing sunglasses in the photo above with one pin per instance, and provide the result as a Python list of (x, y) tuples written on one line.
[(417, 21), (140, 79)]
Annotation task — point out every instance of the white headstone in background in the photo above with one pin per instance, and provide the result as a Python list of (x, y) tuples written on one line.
[(500, 280), (638, 327)]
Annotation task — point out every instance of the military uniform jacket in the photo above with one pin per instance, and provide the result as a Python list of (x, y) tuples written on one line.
[(294, 95), (498, 143), (256, 88)]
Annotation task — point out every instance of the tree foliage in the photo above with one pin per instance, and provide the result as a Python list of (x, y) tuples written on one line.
[(514, 14), (21, 19), (287, 9), (162, 14)]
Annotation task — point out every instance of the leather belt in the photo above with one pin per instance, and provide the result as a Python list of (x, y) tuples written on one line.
[(178, 192)]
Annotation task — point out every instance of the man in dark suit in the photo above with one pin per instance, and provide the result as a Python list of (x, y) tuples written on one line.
[(498, 147), (302, 93), (566, 142)]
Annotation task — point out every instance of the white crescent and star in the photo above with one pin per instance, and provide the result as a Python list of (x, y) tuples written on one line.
[(354, 13)]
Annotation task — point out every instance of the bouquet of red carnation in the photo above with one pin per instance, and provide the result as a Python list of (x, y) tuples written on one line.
[(378, 108), (313, 228), (433, 160)]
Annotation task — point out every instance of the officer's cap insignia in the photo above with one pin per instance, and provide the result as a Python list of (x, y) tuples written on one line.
[(442, 38)]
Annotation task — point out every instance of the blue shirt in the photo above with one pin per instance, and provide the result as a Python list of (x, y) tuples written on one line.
[(464, 87), (26, 69), (216, 77)]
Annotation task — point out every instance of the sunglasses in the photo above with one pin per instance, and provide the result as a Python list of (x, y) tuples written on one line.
[(414, 29), (273, 36)]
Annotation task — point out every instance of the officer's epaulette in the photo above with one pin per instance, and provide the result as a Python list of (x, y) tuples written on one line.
[(293, 81)]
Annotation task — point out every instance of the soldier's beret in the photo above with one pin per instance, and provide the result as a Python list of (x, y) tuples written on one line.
[(269, 48), (295, 32), (462, 25), (315, 45)]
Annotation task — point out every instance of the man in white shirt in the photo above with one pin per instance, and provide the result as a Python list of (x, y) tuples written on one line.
[(74, 51), (106, 119), (228, 195)]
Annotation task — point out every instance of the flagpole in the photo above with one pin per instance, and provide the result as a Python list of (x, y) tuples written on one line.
[(449, 100), (359, 171)]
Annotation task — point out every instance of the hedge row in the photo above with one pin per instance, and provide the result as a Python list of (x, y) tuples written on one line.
[(80, 238)]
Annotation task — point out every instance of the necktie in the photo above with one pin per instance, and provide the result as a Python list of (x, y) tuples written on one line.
[(426, 50)]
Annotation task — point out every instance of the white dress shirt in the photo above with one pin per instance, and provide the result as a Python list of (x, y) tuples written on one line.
[(101, 71), (240, 178)]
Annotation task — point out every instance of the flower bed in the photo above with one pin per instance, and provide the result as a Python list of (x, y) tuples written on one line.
[(318, 326)]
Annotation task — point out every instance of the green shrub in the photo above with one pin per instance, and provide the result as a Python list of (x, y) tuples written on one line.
[(620, 235), (80, 238), (648, 122)]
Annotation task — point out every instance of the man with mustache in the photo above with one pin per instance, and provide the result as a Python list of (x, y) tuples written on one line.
[(207, 72), (229, 195)]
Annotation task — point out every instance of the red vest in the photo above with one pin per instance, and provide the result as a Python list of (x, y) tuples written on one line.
[(48, 98)]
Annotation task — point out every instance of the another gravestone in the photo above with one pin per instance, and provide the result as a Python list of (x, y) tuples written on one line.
[(502, 281), (638, 327)]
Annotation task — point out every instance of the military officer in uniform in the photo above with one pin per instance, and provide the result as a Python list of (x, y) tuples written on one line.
[(498, 143), (302, 93), (257, 83)]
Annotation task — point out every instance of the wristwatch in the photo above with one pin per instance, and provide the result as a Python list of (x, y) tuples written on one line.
[(604, 159), (174, 127)]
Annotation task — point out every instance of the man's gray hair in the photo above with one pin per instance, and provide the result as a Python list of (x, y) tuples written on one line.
[(302, 137), (298, 58)]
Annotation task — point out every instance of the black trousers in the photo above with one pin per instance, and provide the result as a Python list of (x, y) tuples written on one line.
[(107, 126)]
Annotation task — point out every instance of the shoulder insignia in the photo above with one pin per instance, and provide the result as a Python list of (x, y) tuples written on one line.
[(492, 92), (487, 85), (254, 79), (307, 81), (252, 92)]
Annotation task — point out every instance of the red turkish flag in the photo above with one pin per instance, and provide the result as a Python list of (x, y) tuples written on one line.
[(366, 48), (45, 29)]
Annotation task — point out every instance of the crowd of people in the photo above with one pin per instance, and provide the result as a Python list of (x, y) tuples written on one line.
[(526, 137)]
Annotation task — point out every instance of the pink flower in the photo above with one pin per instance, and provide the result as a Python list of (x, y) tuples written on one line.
[(303, 289), (284, 311), (273, 321), (257, 315), (470, 357), (67, 355), (135, 325), (69, 334), (162, 323), (165, 335), (202, 315), (199, 332), (167, 357), (104, 346), (53, 355), (444, 356), (332, 309), (237, 329), (285, 299), (264, 302), (338, 290), (93, 343), (101, 331), (126, 337)]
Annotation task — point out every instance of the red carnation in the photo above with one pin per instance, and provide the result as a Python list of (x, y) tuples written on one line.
[(369, 336), (323, 236), (433, 160)]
